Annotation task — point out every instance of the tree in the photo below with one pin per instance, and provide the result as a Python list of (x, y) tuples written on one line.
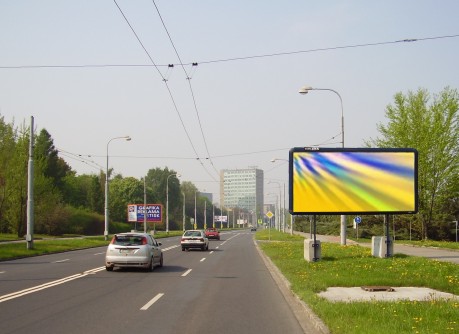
[(124, 191), (432, 127), (54, 167), (7, 153)]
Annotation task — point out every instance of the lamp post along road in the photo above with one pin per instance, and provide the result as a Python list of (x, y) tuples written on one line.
[(167, 200), (304, 90), (127, 138), (281, 219), (195, 215), (145, 205)]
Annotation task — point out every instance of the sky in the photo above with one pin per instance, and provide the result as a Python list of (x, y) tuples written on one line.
[(89, 71)]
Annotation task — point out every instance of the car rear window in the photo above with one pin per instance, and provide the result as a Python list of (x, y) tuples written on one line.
[(192, 234), (129, 240)]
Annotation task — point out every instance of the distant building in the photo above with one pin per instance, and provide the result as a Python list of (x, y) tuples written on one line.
[(242, 188)]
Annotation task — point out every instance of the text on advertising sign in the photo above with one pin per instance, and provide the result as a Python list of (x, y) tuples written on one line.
[(136, 212)]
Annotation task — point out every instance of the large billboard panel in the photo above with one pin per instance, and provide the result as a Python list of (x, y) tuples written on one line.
[(352, 180), (136, 212)]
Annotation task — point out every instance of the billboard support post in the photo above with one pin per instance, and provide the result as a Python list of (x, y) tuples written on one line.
[(388, 240)]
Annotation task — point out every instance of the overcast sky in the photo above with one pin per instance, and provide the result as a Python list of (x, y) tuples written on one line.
[(240, 105)]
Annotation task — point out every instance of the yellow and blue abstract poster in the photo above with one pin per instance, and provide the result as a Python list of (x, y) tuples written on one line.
[(338, 181)]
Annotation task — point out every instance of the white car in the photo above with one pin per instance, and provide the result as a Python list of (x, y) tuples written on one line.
[(133, 250), (194, 239)]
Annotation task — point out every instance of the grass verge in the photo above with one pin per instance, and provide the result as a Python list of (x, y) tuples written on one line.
[(9, 251), (348, 266)]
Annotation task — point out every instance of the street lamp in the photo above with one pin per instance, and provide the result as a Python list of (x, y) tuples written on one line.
[(281, 218), (304, 90), (195, 215), (167, 199), (183, 211), (127, 138)]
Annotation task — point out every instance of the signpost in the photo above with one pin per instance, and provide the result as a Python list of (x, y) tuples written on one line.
[(357, 221), (269, 214)]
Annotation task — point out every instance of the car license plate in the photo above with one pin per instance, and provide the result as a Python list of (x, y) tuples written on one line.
[(125, 251)]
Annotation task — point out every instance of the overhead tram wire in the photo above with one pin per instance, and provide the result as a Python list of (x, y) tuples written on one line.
[(406, 40), (188, 78), (80, 156), (165, 82), (333, 48)]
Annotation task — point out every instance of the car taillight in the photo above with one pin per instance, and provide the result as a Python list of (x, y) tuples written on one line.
[(113, 240), (144, 241), (183, 239)]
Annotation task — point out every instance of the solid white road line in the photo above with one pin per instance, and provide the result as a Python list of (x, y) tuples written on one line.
[(151, 302), (60, 281), (24, 292)]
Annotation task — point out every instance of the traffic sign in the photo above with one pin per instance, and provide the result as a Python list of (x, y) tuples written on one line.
[(269, 214), (358, 220)]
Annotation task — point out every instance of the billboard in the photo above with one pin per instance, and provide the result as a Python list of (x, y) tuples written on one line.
[(136, 212), (222, 219), (352, 180)]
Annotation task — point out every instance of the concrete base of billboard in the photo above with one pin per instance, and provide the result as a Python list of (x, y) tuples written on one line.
[(379, 247), (309, 248)]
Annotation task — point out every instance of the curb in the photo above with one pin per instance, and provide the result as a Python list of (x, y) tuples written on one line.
[(308, 320)]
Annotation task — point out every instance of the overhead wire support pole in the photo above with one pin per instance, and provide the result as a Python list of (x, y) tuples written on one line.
[(30, 182)]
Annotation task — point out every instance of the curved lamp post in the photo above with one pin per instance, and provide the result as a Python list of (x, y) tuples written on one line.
[(304, 90), (167, 199), (127, 138)]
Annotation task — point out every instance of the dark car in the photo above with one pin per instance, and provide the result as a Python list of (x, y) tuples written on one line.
[(212, 233)]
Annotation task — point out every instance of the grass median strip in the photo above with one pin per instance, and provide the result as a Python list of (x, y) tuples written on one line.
[(353, 266), (44, 246)]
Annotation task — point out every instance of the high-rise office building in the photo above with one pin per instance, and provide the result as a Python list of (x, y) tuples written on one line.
[(242, 188)]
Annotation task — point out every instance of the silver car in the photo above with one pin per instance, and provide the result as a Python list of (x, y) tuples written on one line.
[(194, 239), (133, 250)]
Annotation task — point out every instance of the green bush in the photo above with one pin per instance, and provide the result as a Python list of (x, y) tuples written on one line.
[(84, 222)]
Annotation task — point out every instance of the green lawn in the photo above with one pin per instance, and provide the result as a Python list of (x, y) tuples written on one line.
[(44, 245), (348, 266)]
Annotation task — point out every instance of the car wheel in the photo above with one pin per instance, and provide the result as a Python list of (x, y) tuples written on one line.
[(108, 268), (183, 249), (203, 248), (207, 247), (161, 260), (151, 265)]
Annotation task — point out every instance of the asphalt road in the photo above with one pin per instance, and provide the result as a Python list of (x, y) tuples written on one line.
[(228, 289)]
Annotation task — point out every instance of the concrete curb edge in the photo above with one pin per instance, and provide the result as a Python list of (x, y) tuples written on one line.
[(305, 316)]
